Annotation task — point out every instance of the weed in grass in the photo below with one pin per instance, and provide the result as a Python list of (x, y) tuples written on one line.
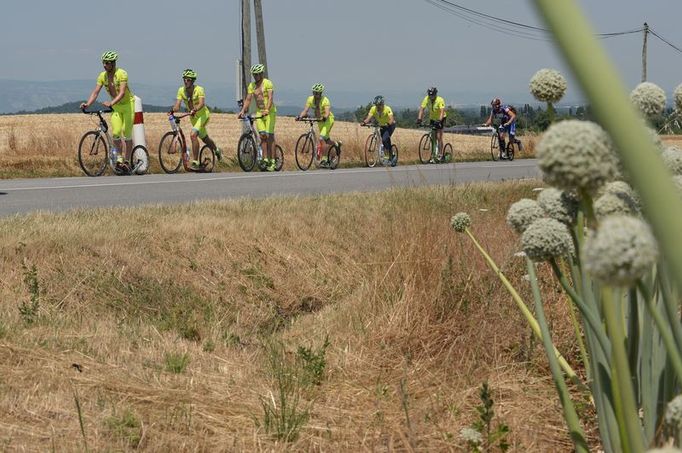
[(208, 346), (482, 436), (126, 427), (176, 362), (313, 362), (3, 330), (283, 416), (29, 311), (81, 423)]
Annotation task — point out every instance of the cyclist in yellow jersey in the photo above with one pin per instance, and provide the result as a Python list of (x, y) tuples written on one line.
[(437, 114), (195, 101), (323, 111), (263, 91), (384, 117), (115, 81)]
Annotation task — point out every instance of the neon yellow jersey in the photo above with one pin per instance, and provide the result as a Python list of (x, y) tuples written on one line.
[(383, 116), (262, 94), (120, 76), (197, 94), (319, 108), (434, 108)]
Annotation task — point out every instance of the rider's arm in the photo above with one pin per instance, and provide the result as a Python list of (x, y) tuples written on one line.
[(271, 100), (175, 107), (327, 111), (512, 116), (245, 107), (93, 97), (442, 112), (200, 104), (391, 120), (489, 121), (121, 93), (420, 114), (304, 112)]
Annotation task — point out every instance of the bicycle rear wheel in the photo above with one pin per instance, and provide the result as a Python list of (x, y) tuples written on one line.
[(93, 153), (247, 153), (425, 148), (139, 160), (333, 156), (494, 147), (206, 159), (279, 158), (371, 151), (304, 152), (448, 154), (170, 152)]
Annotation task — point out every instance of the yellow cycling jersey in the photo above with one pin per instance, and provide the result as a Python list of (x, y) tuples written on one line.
[(434, 108), (319, 108), (120, 76), (383, 116), (191, 102), (262, 94)]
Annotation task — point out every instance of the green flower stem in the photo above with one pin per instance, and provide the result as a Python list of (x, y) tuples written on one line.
[(626, 408), (601, 83), (671, 306), (570, 415), (588, 314), (526, 313), (663, 330)]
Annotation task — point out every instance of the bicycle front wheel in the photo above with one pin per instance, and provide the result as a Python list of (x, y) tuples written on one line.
[(511, 149), (170, 152), (425, 149), (371, 151), (93, 153), (333, 156), (304, 152), (495, 147), (206, 159), (448, 154), (247, 153), (139, 160), (279, 158)]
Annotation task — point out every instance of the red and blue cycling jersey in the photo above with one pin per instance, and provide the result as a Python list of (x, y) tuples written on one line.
[(504, 114)]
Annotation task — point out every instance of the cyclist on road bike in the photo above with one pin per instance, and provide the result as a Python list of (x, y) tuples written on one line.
[(507, 116), (323, 111), (263, 91), (384, 117), (195, 102), (437, 114), (115, 81)]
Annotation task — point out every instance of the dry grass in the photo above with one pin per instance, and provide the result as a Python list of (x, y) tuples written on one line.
[(46, 145), (400, 296)]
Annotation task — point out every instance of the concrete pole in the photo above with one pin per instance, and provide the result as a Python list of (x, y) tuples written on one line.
[(646, 35), (246, 45), (260, 34)]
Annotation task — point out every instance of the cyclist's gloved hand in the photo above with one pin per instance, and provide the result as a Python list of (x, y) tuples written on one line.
[(298, 117)]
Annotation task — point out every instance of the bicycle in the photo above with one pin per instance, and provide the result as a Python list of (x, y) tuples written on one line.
[(249, 150), (94, 151), (306, 152), (511, 148), (428, 148), (173, 150), (374, 149)]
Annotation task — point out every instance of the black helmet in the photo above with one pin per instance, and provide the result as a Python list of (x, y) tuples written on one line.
[(432, 91), (495, 102), (378, 100)]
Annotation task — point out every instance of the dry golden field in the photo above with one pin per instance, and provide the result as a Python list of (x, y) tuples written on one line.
[(179, 334), (46, 145)]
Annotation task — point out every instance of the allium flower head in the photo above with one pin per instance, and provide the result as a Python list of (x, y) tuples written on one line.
[(620, 251), (460, 222), (545, 239), (672, 158), (673, 413), (664, 450), (611, 203), (678, 97), (577, 154), (470, 435), (559, 205), (649, 99), (548, 85), (522, 213)]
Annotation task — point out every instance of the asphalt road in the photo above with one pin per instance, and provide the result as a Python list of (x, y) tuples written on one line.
[(61, 194)]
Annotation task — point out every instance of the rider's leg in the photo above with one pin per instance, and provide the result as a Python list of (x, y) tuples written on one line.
[(209, 141), (271, 146), (439, 136), (129, 150), (386, 132), (503, 144), (264, 144)]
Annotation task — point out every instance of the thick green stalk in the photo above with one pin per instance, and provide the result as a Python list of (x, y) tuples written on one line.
[(671, 306), (570, 415), (601, 83), (626, 408), (524, 310)]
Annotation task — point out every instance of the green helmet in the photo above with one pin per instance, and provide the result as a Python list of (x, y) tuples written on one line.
[(189, 74), (318, 88), (257, 69), (110, 55)]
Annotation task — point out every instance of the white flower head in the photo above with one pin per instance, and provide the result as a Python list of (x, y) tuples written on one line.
[(622, 250), (678, 97), (460, 222), (577, 154), (615, 203), (545, 239), (522, 213), (672, 158), (673, 413), (471, 436), (548, 85), (559, 205), (649, 99)]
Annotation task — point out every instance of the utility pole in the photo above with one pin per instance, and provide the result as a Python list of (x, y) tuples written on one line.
[(646, 35), (246, 45), (260, 34)]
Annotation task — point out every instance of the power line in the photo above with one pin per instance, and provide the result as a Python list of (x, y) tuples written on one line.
[(665, 40)]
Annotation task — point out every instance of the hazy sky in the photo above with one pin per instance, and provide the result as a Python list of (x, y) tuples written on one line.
[(373, 45)]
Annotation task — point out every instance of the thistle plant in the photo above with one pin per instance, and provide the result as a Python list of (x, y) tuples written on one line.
[(649, 99), (548, 85)]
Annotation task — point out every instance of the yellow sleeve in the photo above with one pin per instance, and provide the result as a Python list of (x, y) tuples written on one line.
[(101, 78), (181, 94), (372, 111), (425, 102), (251, 88), (122, 75), (199, 92), (388, 110), (309, 101), (269, 85)]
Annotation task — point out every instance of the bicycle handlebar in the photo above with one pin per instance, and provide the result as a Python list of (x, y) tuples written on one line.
[(310, 120), (370, 125), (96, 112)]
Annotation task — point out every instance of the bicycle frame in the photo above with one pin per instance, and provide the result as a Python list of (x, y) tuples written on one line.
[(103, 128), (174, 121), (254, 133)]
